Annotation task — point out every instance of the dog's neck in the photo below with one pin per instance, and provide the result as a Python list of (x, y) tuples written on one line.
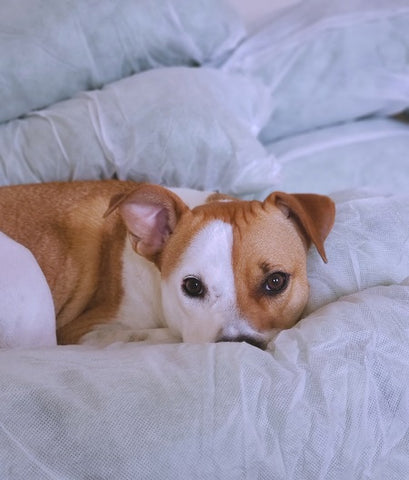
[(141, 304)]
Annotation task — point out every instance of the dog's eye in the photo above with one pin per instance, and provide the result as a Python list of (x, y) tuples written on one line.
[(276, 282), (193, 287)]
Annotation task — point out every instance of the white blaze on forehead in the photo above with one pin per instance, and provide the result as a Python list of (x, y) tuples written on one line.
[(209, 258), (211, 251)]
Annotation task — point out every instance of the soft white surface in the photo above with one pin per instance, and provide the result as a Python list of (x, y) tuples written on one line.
[(176, 126), (371, 154), (256, 13), (368, 246), (27, 315), (330, 62), (50, 50)]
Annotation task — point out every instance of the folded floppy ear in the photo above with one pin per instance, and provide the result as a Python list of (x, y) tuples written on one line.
[(315, 214), (150, 213)]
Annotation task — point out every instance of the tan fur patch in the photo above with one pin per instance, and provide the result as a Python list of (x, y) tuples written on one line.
[(62, 225), (268, 243)]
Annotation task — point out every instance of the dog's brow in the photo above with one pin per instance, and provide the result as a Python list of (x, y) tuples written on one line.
[(265, 267)]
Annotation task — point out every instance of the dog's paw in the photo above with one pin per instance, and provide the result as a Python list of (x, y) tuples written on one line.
[(105, 334), (159, 335)]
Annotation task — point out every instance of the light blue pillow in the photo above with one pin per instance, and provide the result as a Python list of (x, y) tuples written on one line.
[(330, 62), (178, 126), (371, 154), (50, 50)]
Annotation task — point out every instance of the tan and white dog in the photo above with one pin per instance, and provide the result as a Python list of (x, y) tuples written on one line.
[(132, 262)]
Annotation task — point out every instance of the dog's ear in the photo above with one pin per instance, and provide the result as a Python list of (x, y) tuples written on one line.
[(315, 214), (150, 213)]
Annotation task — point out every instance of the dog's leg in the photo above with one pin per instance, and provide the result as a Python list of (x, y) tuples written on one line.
[(105, 334), (97, 328), (27, 317), (159, 335), (72, 332)]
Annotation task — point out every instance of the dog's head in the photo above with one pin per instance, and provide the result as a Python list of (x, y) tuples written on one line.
[(231, 270)]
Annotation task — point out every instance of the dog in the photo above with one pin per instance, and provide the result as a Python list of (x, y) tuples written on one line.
[(140, 262)]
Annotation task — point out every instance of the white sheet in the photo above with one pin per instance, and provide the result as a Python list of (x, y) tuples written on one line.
[(329, 401)]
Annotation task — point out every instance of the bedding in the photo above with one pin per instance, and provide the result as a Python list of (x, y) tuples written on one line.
[(329, 65), (329, 401), (259, 12), (176, 126), (368, 246), (51, 50), (369, 154), (301, 103)]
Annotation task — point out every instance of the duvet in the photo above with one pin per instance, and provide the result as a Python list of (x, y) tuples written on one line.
[(183, 95)]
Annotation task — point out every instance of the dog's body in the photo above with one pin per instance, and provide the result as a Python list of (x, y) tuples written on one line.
[(224, 270)]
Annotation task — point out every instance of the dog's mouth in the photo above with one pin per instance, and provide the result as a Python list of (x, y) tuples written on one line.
[(255, 341)]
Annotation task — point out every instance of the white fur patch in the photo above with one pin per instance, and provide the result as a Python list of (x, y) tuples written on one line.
[(141, 305)]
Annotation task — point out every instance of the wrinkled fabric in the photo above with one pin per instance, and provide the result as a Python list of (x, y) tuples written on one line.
[(330, 62), (328, 400), (175, 126), (367, 246), (370, 154), (51, 50)]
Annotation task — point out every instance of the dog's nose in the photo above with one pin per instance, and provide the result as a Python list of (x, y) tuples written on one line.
[(256, 342)]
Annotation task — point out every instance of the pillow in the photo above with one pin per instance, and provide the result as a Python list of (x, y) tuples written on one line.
[(50, 50), (259, 12), (177, 126), (327, 63), (372, 154)]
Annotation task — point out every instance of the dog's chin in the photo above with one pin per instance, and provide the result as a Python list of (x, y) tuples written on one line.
[(261, 341), (255, 341)]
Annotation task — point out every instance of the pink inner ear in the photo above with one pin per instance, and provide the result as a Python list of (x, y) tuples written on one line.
[(149, 223)]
